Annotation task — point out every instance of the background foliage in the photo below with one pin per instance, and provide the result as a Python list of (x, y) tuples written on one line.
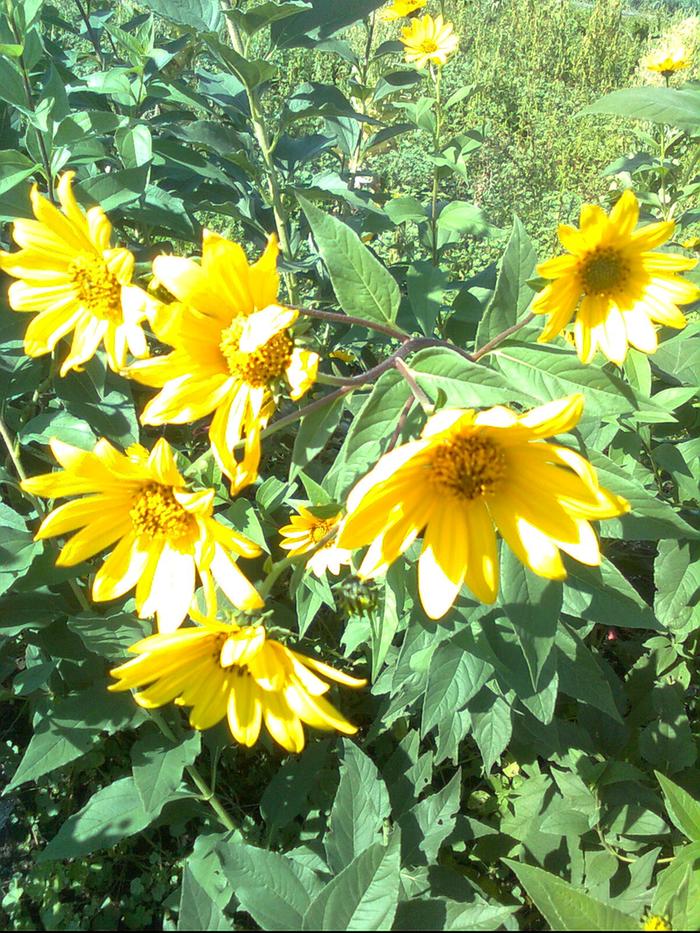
[(520, 766)]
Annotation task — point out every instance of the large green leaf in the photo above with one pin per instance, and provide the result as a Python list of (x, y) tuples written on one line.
[(202, 15), (158, 765), (360, 807), (512, 295), (363, 286), (365, 894), (451, 379), (454, 677), (675, 106), (198, 910), (112, 814), (683, 809), (564, 907), (677, 579)]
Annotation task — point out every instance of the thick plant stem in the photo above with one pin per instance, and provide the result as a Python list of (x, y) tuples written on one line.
[(437, 77), (273, 180)]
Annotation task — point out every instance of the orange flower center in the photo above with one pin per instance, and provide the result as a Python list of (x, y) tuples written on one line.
[(319, 532), (262, 366), (157, 513), (603, 271), (98, 288), (467, 466)]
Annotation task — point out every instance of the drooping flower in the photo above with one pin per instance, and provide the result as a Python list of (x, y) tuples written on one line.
[(467, 473), (304, 533), (68, 272), (428, 40), (225, 670), (612, 283), (232, 349), (165, 534), (398, 9), (667, 60)]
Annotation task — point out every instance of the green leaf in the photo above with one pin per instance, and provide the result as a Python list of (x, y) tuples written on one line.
[(264, 14), (360, 807), (683, 809), (252, 72), (549, 373), (425, 284), (275, 890), (581, 677), (14, 168), (532, 606), (426, 825), (17, 547), (512, 295), (679, 887), (114, 189), (454, 677), (566, 908), (157, 766), (202, 15), (675, 106), (365, 894), (72, 726), (363, 286), (677, 580), (603, 595), (112, 814), (198, 911), (447, 376), (667, 741), (492, 728), (320, 22), (110, 635), (463, 218), (286, 794), (314, 433)]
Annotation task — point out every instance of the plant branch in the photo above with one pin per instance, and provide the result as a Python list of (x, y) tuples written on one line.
[(400, 424), (499, 338), (419, 395), (337, 317)]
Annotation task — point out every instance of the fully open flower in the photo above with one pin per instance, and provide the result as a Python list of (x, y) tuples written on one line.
[(466, 473), (224, 670), (613, 284), (398, 9), (304, 533), (166, 534), (69, 273), (428, 40), (668, 60), (232, 348)]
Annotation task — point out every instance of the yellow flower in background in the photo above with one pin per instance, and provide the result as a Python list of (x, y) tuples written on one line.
[(398, 9), (428, 40), (226, 671), (232, 349), (165, 534), (668, 60), (467, 473), (612, 283), (692, 242), (305, 532), (656, 922), (68, 273)]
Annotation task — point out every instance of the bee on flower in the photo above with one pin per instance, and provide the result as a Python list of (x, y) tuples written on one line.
[(68, 272), (308, 533), (166, 535), (223, 670), (428, 41), (613, 283), (468, 474), (232, 351)]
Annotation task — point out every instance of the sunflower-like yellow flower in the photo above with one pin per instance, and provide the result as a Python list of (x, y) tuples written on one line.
[(166, 534), (466, 473), (224, 670), (232, 348), (399, 9), (692, 242), (668, 60), (305, 532), (428, 40), (613, 284), (656, 922), (69, 273)]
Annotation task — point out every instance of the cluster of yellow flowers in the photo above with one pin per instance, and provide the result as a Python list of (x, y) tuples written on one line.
[(233, 351)]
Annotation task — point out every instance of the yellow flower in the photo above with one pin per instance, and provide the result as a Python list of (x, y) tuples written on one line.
[(656, 922), (166, 534), (398, 9), (345, 356), (428, 40), (692, 242), (668, 60), (304, 534), (70, 274), (224, 670), (466, 473), (232, 347), (612, 283)]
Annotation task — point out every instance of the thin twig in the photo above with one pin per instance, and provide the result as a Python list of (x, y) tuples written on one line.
[(400, 424), (340, 318), (425, 403), (499, 338)]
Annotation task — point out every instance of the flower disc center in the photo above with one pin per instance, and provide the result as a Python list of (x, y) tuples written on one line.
[(603, 271), (467, 466), (428, 46), (98, 288), (264, 364), (157, 513)]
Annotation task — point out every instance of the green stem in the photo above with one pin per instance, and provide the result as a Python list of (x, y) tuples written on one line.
[(273, 180), (418, 394), (437, 78), (662, 159)]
